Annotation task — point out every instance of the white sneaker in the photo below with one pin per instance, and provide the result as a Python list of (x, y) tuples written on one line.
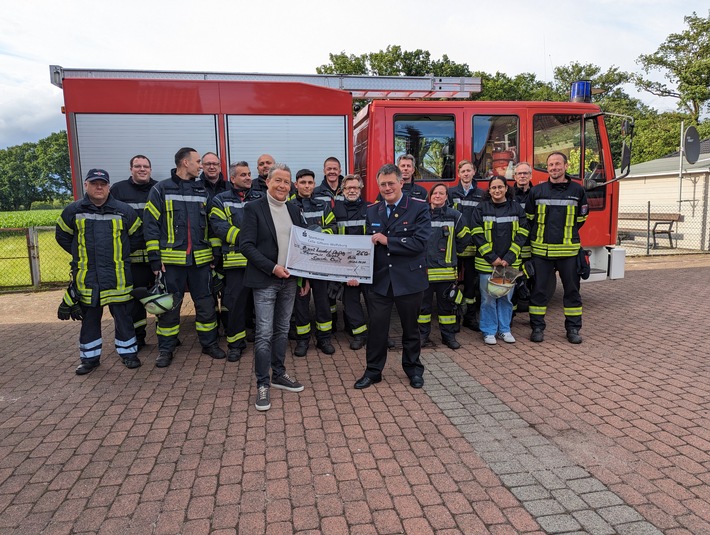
[(490, 339), (507, 338)]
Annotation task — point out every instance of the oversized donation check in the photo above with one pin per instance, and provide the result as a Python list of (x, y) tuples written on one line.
[(333, 257)]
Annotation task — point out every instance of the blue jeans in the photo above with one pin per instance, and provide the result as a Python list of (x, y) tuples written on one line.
[(273, 306), (496, 313)]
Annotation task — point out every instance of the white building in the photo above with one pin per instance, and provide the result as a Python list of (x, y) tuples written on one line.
[(672, 187)]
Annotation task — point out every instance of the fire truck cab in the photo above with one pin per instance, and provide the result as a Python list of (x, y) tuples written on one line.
[(495, 136)]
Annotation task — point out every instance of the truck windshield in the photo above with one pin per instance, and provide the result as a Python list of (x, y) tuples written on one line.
[(431, 139), (570, 135)]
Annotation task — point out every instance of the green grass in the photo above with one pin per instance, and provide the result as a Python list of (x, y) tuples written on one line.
[(29, 218), (15, 264)]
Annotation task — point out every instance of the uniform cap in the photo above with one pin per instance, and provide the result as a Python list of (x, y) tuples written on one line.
[(97, 174)]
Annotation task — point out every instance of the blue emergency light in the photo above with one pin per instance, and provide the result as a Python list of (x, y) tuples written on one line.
[(581, 91)]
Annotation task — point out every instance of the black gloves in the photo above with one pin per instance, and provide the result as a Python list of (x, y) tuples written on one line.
[(69, 308), (335, 290)]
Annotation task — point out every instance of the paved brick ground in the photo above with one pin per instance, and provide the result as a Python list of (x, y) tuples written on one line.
[(612, 436)]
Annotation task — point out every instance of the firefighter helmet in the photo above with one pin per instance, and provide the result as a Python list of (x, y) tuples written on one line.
[(502, 281), (452, 294), (156, 300)]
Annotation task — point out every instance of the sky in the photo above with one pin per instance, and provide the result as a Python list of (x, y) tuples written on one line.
[(279, 36)]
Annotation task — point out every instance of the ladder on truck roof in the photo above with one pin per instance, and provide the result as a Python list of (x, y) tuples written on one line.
[(359, 86)]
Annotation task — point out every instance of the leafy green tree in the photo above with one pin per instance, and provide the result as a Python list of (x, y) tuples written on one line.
[(605, 84), (658, 134), (685, 60), (523, 86), (35, 172), (345, 64), (393, 61)]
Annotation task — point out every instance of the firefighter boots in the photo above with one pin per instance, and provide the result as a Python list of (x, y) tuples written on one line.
[(87, 366), (164, 359), (573, 336), (537, 336)]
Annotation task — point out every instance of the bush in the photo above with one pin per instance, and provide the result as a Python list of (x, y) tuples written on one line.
[(31, 218), (51, 205)]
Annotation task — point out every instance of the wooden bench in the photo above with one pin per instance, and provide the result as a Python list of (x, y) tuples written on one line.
[(662, 224)]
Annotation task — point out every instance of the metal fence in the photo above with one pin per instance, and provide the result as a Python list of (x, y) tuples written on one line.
[(663, 229), (31, 258)]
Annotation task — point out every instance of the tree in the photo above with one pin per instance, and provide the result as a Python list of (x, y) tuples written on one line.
[(393, 61), (658, 134), (345, 64), (523, 86), (685, 60), (35, 172), (605, 83)]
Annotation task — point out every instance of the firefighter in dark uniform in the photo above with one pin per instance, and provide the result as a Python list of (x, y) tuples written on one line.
[(400, 228), (521, 190), (464, 197), (263, 165), (350, 215), (213, 181), (176, 235), (449, 236), (407, 166), (99, 233), (557, 209), (134, 192), (329, 191), (318, 216), (211, 176), (226, 215)]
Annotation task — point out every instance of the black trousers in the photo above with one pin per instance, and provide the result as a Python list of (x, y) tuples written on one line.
[(544, 280), (446, 311), (199, 280), (235, 298), (471, 287), (90, 340), (353, 312), (379, 308), (143, 277), (302, 312)]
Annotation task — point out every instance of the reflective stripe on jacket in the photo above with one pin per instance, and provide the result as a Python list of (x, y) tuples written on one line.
[(499, 230), (175, 220), (466, 203), (136, 196), (100, 239), (226, 216), (449, 236), (317, 213), (350, 217), (556, 213)]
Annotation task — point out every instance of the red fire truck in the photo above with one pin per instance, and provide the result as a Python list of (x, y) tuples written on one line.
[(303, 119)]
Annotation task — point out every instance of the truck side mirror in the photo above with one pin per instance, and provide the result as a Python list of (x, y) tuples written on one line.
[(625, 159), (627, 128)]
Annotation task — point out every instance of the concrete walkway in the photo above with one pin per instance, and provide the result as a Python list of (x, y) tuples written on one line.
[(612, 436)]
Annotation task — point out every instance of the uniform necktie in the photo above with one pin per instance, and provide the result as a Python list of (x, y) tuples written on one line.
[(390, 210)]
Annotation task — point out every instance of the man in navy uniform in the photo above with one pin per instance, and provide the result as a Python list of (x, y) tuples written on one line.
[(400, 227), (134, 192)]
